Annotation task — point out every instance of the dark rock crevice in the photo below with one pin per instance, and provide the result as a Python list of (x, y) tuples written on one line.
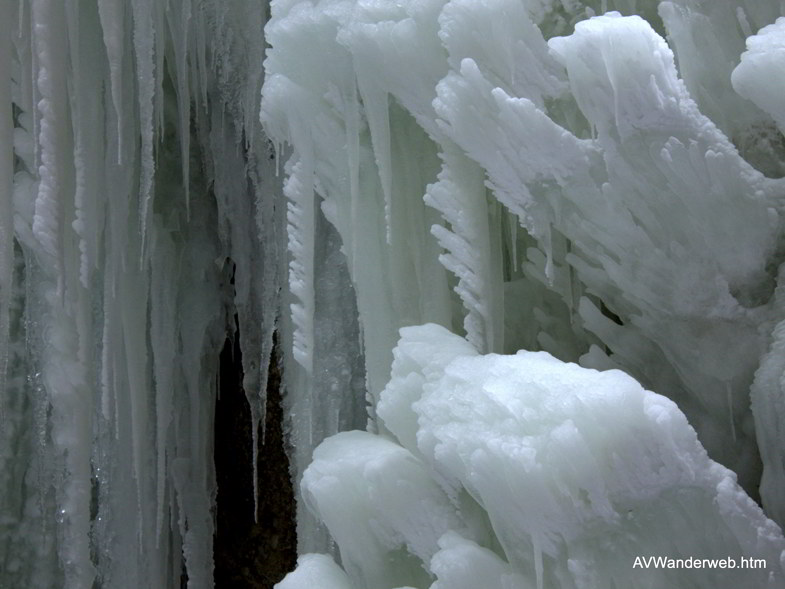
[(251, 554)]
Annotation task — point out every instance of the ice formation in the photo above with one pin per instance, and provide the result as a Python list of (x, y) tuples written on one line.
[(599, 182), (135, 177), (603, 195), (544, 473)]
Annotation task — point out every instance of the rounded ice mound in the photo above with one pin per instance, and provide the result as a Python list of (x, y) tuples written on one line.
[(582, 471), (622, 74), (586, 481), (381, 506), (760, 77), (316, 570)]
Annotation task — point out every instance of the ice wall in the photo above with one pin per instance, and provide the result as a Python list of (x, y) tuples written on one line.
[(137, 217)]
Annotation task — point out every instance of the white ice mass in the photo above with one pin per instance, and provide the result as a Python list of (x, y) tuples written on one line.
[(557, 474), (530, 252)]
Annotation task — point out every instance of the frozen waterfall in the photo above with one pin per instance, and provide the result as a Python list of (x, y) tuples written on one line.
[(523, 260)]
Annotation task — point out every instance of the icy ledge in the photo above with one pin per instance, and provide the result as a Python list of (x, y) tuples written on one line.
[(525, 471)]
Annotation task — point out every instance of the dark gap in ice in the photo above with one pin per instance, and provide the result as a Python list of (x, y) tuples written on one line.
[(248, 554), (610, 314)]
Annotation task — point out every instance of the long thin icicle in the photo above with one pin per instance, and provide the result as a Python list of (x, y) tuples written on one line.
[(113, 25), (144, 46), (6, 192)]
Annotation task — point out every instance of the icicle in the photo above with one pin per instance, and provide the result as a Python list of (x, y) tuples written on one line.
[(258, 407), (159, 28), (144, 47), (121, 334), (163, 343), (548, 245), (537, 547), (33, 93), (179, 30), (268, 232), (352, 120), (64, 368), (375, 103), (133, 306), (107, 376), (50, 82), (113, 24), (85, 44), (741, 16), (514, 242), (201, 55), (729, 397), (6, 198)]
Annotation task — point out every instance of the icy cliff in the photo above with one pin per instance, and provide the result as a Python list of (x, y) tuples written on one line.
[(601, 189)]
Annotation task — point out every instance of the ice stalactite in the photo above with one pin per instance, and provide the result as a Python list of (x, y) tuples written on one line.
[(138, 180), (6, 195)]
